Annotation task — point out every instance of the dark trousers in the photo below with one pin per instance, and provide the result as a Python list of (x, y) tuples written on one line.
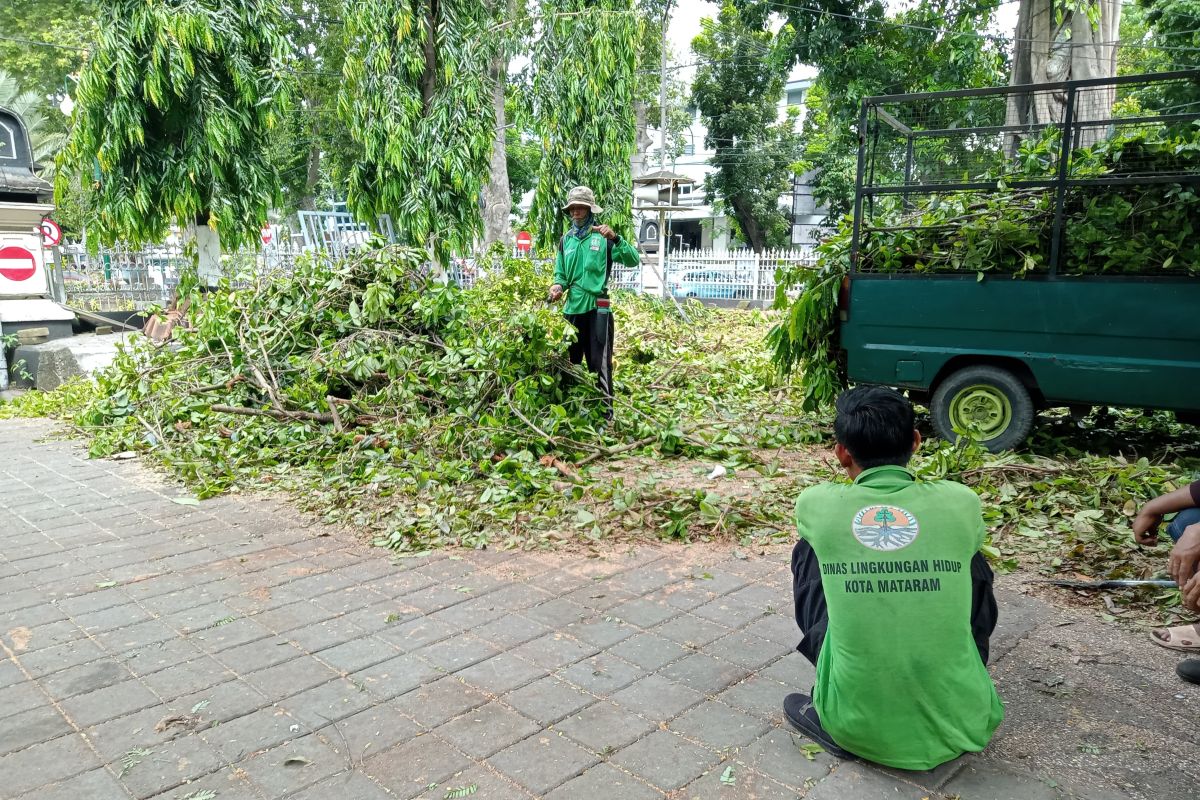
[(812, 614), (594, 343)]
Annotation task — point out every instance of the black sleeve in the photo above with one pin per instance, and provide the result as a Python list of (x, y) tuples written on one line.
[(1195, 489)]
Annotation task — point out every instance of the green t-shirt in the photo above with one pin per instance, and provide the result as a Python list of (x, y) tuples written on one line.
[(899, 679)]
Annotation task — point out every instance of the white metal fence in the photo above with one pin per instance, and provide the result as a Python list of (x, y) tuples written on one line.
[(714, 274), (124, 278)]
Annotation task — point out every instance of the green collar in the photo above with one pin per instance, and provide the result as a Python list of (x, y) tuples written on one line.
[(888, 474)]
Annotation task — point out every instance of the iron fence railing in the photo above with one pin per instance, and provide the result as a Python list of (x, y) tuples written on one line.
[(715, 274), (1046, 152), (123, 278)]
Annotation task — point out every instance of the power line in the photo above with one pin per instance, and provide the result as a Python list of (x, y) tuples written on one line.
[(43, 44), (996, 37)]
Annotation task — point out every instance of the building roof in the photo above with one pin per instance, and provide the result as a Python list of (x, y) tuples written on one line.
[(662, 177), (19, 180)]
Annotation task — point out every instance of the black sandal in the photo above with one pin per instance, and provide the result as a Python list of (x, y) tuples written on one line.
[(1189, 670), (799, 711)]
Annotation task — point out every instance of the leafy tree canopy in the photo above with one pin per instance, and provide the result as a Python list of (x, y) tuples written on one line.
[(737, 89), (46, 43), (416, 97), (584, 87), (175, 109)]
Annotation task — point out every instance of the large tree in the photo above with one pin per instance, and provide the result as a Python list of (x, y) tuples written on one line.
[(417, 97), (45, 42), (311, 147), (584, 63), (933, 46), (1062, 42), (738, 88), (497, 192), (175, 109)]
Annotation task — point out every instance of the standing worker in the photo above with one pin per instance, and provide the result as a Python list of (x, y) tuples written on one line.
[(581, 271)]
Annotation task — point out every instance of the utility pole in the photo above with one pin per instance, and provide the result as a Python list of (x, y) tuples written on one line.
[(662, 88), (662, 149)]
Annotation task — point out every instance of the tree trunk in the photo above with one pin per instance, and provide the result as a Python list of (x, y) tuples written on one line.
[(1050, 49), (208, 250), (753, 232), (497, 194), (642, 140), (309, 201)]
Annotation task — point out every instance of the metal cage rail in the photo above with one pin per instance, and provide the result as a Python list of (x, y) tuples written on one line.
[(1036, 157)]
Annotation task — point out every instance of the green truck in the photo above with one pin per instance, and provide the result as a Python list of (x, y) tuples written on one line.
[(985, 356), (1063, 318)]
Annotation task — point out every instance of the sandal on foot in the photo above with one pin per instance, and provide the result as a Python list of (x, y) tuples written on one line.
[(1189, 670), (1184, 638), (798, 710)]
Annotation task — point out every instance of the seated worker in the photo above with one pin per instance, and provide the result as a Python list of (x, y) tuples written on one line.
[(894, 600), (1183, 565)]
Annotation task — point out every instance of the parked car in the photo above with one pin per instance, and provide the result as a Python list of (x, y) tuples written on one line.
[(708, 285)]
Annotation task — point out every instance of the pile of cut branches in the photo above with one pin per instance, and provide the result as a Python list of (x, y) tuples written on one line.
[(428, 414), (1122, 228)]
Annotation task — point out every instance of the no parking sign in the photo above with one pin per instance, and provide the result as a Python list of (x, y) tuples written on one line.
[(51, 233)]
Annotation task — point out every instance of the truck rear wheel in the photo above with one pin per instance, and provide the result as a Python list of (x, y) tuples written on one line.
[(988, 402)]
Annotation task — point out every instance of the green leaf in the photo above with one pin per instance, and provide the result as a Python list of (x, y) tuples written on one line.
[(106, 585), (200, 794), (465, 791), (185, 501), (810, 750), (727, 776)]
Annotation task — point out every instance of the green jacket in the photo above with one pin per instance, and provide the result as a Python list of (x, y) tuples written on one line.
[(581, 268)]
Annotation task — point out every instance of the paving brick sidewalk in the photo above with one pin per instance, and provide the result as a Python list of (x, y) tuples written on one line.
[(233, 650)]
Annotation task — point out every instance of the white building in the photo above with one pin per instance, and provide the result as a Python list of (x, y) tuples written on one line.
[(701, 226)]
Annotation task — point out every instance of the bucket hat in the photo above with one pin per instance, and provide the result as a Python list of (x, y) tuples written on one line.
[(582, 196)]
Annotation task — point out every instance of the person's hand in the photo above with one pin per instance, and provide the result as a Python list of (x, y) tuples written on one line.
[(556, 291), (1185, 556), (606, 232), (1145, 528), (1191, 593)]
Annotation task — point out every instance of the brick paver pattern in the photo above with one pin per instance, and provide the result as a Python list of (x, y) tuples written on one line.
[(234, 649)]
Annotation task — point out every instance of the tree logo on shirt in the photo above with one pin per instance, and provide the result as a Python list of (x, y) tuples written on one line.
[(885, 528)]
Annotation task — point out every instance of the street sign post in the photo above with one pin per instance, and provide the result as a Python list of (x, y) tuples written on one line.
[(524, 242)]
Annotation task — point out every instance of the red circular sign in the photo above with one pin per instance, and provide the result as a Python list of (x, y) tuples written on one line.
[(524, 241), (51, 233), (17, 263), (267, 234)]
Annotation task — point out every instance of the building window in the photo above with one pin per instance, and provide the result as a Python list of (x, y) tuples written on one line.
[(795, 97), (8, 143), (689, 149), (685, 189)]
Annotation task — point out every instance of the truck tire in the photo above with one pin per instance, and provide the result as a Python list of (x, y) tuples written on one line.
[(988, 401)]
